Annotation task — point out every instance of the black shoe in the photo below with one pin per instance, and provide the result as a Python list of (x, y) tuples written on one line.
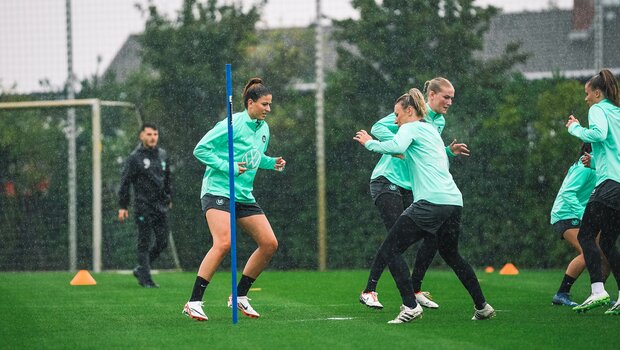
[(151, 284), (144, 280)]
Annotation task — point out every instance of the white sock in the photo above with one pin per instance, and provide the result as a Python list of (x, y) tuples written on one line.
[(598, 288)]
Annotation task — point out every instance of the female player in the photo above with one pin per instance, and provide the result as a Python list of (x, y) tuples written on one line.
[(436, 210), (602, 212), (566, 214), (390, 188), (251, 137)]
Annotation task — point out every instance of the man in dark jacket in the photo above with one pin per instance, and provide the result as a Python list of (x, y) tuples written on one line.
[(148, 169)]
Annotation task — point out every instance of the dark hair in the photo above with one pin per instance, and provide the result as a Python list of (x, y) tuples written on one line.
[(607, 83), (254, 90), (415, 99), (585, 147), (148, 125), (435, 85)]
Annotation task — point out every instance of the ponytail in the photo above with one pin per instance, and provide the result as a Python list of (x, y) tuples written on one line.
[(435, 85), (413, 98), (607, 83), (254, 90)]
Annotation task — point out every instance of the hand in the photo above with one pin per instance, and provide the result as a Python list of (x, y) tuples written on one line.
[(586, 159), (571, 120), (280, 164), (123, 214), (362, 137), (459, 148), (242, 168)]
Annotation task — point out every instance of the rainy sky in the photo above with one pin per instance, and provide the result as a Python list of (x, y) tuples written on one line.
[(33, 36)]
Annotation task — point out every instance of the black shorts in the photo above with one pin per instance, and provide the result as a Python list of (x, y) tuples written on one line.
[(608, 193), (242, 210), (382, 185), (567, 224), (430, 217)]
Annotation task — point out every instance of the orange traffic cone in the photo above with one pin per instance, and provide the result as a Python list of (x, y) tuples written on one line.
[(83, 278), (489, 269), (509, 269)]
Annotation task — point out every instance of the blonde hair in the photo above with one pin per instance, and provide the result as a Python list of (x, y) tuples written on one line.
[(436, 84), (413, 98)]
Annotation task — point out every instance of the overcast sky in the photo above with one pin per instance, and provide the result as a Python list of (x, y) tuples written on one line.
[(33, 35)]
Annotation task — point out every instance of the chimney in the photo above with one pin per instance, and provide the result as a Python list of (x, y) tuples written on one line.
[(583, 15)]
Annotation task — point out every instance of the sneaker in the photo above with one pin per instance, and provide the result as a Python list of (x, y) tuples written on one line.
[(407, 314), (244, 306), (193, 309), (143, 277), (371, 299), (614, 310), (563, 299), (593, 302), (484, 314), (425, 299)]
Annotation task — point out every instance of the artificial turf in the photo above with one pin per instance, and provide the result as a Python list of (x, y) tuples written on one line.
[(299, 310)]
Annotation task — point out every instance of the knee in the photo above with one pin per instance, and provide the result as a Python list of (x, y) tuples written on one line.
[(222, 247), (270, 246)]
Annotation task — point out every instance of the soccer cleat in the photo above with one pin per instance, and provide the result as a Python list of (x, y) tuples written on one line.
[(486, 313), (563, 299), (614, 310), (144, 279), (244, 306), (193, 309), (371, 299), (407, 314), (593, 302), (425, 299)]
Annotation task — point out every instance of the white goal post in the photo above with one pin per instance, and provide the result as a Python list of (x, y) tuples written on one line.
[(95, 105)]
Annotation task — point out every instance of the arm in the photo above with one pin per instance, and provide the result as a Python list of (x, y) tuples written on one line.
[(597, 132), (168, 182), (398, 145), (205, 149), (124, 195), (574, 183), (385, 128)]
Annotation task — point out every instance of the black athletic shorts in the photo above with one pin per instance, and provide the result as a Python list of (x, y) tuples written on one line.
[(563, 225), (242, 210), (382, 185), (608, 193), (430, 217)]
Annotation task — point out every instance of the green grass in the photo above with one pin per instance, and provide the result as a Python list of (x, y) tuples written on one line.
[(41, 310)]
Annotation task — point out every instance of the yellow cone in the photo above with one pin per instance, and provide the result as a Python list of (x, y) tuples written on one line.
[(509, 269), (83, 278)]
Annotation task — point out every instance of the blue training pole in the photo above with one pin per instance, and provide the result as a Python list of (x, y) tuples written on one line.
[(231, 184)]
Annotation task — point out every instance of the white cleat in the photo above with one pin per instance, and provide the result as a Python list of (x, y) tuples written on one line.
[(371, 299), (486, 313), (425, 299), (193, 309), (407, 314), (244, 306)]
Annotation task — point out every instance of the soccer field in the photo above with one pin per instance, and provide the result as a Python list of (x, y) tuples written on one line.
[(300, 310)]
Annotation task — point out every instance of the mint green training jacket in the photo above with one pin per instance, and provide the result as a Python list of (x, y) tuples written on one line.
[(426, 161), (572, 198), (250, 141), (604, 135), (393, 168)]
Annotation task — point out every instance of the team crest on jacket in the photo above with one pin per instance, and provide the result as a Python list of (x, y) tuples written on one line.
[(163, 165), (146, 162), (264, 138)]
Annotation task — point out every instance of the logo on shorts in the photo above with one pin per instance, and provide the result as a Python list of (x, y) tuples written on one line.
[(392, 187), (219, 201), (251, 158), (575, 222), (146, 162)]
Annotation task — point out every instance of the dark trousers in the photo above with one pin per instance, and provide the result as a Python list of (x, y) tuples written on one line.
[(404, 233), (599, 217), (390, 207), (149, 225)]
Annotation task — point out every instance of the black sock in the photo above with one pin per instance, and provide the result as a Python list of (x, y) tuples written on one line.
[(245, 283), (371, 286), (199, 289), (567, 283)]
